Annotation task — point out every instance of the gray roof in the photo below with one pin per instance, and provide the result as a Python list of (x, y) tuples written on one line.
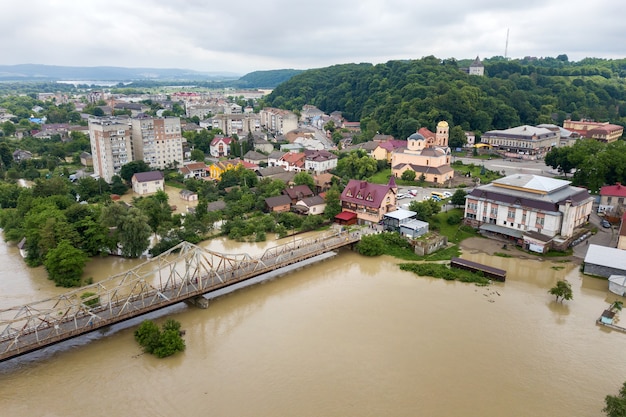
[(400, 214), (148, 176), (312, 201), (279, 200), (501, 229), (605, 256)]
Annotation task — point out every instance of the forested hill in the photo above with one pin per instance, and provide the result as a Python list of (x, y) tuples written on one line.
[(267, 79), (399, 96)]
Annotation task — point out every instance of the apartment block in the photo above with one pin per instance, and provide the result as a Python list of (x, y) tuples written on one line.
[(158, 141), (278, 121), (111, 145)]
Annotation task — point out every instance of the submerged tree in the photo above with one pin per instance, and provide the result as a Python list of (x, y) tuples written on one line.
[(562, 290), (160, 342)]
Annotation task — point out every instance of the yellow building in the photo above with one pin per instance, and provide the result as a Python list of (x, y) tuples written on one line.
[(217, 169)]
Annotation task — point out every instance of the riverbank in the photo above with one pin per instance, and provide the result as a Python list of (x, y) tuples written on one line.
[(491, 247)]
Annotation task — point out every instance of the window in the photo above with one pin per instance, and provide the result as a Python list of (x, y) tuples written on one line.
[(511, 214)]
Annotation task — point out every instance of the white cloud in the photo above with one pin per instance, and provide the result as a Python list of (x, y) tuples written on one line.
[(251, 35)]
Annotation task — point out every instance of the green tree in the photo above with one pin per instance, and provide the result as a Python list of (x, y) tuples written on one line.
[(408, 175), (117, 185), (8, 128), (615, 405), (197, 155), (128, 170), (65, 264), (562, 290), (333, 202), (370, 245), (134, 233), (458, 198), (304, 178)]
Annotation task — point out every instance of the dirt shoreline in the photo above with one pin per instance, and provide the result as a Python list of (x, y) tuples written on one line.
[(491, 246)]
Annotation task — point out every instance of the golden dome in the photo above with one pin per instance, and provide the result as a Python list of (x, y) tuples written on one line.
[(442, 123)]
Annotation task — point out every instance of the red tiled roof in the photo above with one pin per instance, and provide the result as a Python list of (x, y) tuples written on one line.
[(346, 216), (617, 190)]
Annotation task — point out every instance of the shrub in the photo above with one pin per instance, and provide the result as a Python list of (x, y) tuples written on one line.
[(162, 343), (454, 219)]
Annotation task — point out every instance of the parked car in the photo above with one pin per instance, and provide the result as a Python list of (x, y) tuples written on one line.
[(605, 223), (413, 192), (401, 196), (447, 194)]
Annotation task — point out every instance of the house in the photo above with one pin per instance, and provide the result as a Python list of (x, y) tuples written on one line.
[(319, 161), (194, 170), (220, 146), (21, 155), (86, 159), (147, 182), (261, 144), (369, 202), (427, 154), (276, 173), (312, 205), (536, 212), (405, 223), (323, 182), (278, 204), (298, 192), (188, 195), (384, 150), (217, 169), (612, 198), (603, 261), (293, 161), (255, 157), (274, 159)]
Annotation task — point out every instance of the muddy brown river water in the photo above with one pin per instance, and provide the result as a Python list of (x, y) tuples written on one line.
[(351, 336)]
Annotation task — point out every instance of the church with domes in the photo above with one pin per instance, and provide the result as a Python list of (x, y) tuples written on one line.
[(427, 154)]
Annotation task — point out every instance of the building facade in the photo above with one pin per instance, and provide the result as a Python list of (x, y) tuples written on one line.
[(600, 131), (157, 141), (537, 212), (369, 202), (111, 145), (278, 121), (427, 154), (527, 142)]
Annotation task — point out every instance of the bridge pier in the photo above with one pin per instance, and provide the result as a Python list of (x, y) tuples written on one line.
[(198, 301)]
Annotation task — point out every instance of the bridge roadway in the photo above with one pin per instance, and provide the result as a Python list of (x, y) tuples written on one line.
[(182, 273)]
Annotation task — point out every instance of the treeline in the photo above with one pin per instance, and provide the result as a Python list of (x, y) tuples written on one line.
[(398, 97), (593, 163)]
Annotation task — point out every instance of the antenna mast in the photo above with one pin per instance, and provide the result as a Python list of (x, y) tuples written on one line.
[(506, 45)]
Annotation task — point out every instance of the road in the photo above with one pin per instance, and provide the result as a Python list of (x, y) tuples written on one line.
[(512, 166)]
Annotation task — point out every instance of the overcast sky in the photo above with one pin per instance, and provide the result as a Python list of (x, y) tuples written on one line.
[(247, 35)]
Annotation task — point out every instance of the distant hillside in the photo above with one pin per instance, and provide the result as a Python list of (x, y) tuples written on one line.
[(399, 97), (36, 72), (267, 79)]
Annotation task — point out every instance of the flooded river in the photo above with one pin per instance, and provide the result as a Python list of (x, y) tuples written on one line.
[(350, 336)]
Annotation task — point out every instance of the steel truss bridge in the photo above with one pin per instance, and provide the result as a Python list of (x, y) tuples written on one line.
[(183, 273)]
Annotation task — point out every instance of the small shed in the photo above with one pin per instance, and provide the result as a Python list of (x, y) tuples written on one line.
[(617, 284), (607, 317)]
